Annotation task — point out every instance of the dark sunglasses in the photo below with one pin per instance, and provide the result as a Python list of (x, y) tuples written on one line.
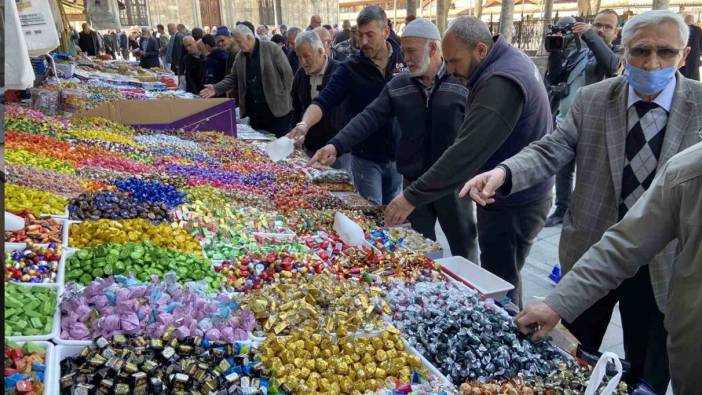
[(665, 53)]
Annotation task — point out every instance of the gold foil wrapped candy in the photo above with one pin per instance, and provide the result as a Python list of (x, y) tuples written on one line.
[(344, 365), (318, 304), (103, 231)]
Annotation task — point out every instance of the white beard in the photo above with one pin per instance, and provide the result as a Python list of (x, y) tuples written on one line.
[(424, 66)]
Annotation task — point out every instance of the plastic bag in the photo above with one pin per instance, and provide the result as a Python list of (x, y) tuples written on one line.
[(46, 100), (13, 222), (280, 149), (349, 231), (19, 73), (599, 373), (37, 26)]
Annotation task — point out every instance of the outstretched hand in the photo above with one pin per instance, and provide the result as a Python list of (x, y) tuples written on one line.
[(482, 187), (208, 91), (324, 156)]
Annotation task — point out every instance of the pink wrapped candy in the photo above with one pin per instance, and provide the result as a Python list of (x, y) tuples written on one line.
[(124, 306)]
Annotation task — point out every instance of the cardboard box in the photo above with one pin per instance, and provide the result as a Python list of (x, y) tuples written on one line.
[(163, 114)]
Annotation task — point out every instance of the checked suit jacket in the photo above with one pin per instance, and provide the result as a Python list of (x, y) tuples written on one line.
[(594, 134)]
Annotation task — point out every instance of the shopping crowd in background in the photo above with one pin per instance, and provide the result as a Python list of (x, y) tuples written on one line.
[(427, 124), (210, 55)]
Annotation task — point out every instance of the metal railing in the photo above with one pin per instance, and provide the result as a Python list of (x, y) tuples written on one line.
[(527, 34)]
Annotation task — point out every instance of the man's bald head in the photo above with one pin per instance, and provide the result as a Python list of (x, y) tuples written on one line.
[(690, 19), (315, 21), (191, 45)]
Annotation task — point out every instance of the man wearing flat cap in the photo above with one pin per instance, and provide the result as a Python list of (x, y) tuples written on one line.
[(425, 135)]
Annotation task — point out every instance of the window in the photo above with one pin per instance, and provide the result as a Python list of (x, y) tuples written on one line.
[(134, 13)]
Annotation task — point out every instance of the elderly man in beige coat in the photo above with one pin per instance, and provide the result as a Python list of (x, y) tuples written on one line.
[(263, 78), (620, 132), (671, 209)]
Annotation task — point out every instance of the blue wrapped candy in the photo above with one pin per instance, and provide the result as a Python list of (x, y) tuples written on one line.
[(150, 191)]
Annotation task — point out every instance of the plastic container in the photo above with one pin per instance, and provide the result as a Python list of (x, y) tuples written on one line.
[(67, 232), (61, 352), (435, 372), (474, 276), (49, 361), (56, 325), (63, 215), (46, 100), (60, 270), (64, 232)]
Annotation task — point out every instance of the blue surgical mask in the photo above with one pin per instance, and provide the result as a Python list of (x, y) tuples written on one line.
[(648, 82)]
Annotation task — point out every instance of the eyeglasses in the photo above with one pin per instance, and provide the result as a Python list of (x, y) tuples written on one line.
[(665, 53)]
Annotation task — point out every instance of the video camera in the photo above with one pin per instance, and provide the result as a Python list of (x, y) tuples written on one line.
[(557, 37)]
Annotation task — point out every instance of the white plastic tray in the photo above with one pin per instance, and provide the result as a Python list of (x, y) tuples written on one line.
[(64, 234), (62, 352), (50, 372), (467, 272), (64, 215), (67, 232), (56, 325), (430, 367), (60, 270)]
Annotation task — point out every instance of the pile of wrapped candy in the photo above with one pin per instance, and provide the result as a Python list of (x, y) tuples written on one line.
[(568, 379), (25, 367), (33, 263), (318, 304), (84, 83), (189, 262), (163, 365), (464, 338), (117, 305)]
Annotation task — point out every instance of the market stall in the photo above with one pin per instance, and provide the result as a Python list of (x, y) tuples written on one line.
[(189, 262)]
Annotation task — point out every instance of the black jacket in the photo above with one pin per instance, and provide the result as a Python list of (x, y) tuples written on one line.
[(149, 52), (428, 125), (331, 122), (177, 54), (89, 43), (359, 80), (123, 40), (194, 69), (292, 59), (692, 63), (342, 36), (216, 65)]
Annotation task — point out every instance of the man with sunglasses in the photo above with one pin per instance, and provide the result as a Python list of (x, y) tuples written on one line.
[(620, 132), (598, 59)]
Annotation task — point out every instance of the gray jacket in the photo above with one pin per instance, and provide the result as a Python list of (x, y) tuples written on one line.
[(671, 209), (276, 75), (428, 123), (594, 134)]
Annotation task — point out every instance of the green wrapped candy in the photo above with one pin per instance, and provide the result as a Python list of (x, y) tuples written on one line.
[(29, 311), (142, 260)]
